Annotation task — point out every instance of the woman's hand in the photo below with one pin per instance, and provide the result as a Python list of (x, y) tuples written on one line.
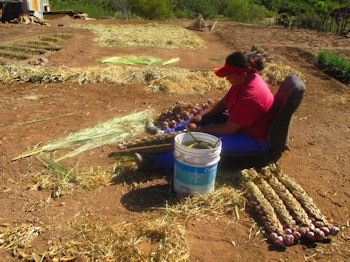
[(196, 119), (192, 126)]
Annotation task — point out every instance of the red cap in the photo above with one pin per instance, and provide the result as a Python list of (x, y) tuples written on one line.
[(227, 70)]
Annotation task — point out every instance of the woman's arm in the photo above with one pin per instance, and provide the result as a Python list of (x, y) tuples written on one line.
[(226, 128), (216, 108)]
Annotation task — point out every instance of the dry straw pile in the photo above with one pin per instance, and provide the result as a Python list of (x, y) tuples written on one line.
[(172, 80), (274, 74), (147, 240), (154, 35)]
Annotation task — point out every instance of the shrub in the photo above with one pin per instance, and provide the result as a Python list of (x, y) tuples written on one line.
[(243, 11), (334, 64), (190, 9), (152, 9), (95, 9)]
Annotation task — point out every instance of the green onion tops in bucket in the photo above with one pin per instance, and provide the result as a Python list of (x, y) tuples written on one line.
[(196, 159)]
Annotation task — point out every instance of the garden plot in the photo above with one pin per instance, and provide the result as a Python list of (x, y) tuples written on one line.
[(152, 35), (23, 50)]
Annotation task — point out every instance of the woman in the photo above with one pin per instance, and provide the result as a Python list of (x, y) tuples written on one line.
[(241, 118)]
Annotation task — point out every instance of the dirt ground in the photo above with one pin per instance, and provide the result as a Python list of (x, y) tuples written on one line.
[(319, 156)]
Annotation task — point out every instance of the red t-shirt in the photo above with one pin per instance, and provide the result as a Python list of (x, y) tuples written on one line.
[(249, 108)]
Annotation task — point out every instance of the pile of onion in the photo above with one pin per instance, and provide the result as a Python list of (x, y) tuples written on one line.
[(178, 113)]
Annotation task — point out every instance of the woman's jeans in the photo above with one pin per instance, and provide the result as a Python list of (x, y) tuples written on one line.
[(237, 142)]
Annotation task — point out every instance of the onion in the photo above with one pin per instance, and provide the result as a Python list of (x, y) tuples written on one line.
[(278, 241), (273, 236), (326, 231), (288, 231), (296, 235), (303, 231), (319, 224), (253, 203), (335, 231), (319, 235), (258, 208), (288, 239), (310, 236), (121, 146)]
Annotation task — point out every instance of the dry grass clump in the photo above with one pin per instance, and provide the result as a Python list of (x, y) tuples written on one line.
[(61, 180), (275, 74), (222, 201), (147, 240), (172, 80), (17, 238), (155, 35)]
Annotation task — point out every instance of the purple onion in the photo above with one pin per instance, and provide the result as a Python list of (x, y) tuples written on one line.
[(319, 224), (326, 231), (279, 241), (288, 239), (253, 203), (319, 235), (273, 236), (288, 231), (297, 235), (303, 231), (310, 236), (121, 146), (258, 208), (335, 231)]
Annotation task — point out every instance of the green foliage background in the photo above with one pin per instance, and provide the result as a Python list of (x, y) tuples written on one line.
[(312, 14), (334, 64)]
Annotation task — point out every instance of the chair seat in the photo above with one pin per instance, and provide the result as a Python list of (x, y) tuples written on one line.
[(249, 159)]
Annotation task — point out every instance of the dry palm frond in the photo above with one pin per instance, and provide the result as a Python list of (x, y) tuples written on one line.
[(167, 36), (110, 132), (258, 196), (150, 240), (300, 194), (290, 202), (275, 202), (151, 140)]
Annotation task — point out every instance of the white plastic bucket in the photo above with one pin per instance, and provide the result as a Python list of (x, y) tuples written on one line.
[(195, 169)]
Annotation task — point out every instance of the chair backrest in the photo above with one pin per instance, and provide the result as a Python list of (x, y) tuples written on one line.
[(287, 100)]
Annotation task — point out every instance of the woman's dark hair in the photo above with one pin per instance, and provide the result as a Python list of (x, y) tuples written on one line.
[(244, 60)]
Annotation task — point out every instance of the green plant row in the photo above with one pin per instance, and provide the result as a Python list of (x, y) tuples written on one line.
[(334, 65)]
